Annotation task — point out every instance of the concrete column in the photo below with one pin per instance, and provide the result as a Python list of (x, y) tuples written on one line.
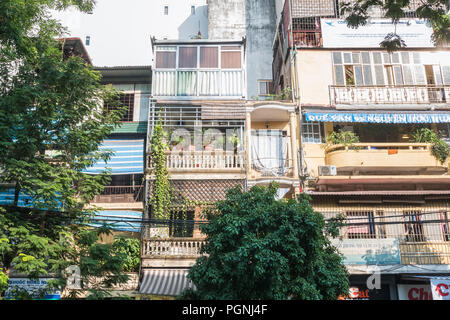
[(293, 126), (248, 142)]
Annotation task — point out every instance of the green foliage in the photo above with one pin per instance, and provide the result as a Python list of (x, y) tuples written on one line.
[(51, 125), (285, 94), (435, 11), (161, 196), (439, 149), (342, 137), (261, 248), (3, 282), (102, 265), (131, 250)]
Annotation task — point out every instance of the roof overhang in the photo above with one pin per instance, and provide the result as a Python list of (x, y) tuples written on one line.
[(126, 74)]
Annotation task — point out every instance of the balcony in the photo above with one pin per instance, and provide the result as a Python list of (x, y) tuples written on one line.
[(307, 39), (389, 94), (419, 238), (205, 161), (389, 158), (175, 247), (198, 83), (120, 194)]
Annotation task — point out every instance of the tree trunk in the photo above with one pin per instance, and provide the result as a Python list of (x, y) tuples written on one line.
[(16, 194)]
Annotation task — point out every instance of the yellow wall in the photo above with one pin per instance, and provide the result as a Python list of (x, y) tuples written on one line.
[(315, 75)]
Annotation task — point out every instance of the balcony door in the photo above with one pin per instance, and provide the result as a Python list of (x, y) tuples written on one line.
[(270, 152), (434, 81)]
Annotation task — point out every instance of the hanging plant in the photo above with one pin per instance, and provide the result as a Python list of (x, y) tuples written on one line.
[(342, 137)]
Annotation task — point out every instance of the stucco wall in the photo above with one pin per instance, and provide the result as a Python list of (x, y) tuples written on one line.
[(226, 19), (315, 75)]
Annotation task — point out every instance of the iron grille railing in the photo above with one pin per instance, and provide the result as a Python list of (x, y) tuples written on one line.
[(418, 94), (120, 194)]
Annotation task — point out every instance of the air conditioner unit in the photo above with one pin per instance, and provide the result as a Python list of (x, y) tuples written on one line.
[(327, 170)]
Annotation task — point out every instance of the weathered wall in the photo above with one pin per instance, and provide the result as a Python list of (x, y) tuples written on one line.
[(226, 19), (260, 31)]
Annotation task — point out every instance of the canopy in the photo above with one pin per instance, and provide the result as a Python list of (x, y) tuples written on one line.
[(119, 220), (128, 157), (378, 117), (165, 282)]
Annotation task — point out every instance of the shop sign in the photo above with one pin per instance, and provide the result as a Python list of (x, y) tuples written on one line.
[(440, 288), (369, 251), (336, 34), (360, 292), (32, 287), (414, 292)]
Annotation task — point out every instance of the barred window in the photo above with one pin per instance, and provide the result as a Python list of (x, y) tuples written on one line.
[(413, 226), (125, 99), (312, 132)]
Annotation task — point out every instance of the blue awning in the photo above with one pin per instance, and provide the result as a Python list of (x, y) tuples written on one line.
[(119, 220), (406, 117), (128, 157)]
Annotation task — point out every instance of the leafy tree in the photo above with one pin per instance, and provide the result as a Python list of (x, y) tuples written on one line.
[(261, 248), (357, 14), (439, 148), (51, 125), (131, 248)]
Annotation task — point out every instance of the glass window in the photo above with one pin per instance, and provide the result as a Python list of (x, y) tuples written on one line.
[(231, 57), (376, 57), (339, 75), (446, 74), (365, 57), (379, 75), (419, 74), (358, 76), (125, 100), (347, 57), (367, 70), (398, 75), (356, 57), (192, 10), (264, 87), (408, 75), (166, 59), (312, 132), (209, 57), (337, 58), (166, 10), (405, 57), (187, 57)]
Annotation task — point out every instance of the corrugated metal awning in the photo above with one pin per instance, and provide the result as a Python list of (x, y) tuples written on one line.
[(223, 111), (165, 282), (128, 157), (119, 220)]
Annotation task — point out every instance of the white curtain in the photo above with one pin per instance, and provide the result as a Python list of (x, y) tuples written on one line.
[(269, 152)]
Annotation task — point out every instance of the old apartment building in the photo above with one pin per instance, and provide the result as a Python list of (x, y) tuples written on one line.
[(389, 184)]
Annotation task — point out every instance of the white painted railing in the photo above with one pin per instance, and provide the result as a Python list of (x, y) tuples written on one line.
[(205, 160), (172, 247)]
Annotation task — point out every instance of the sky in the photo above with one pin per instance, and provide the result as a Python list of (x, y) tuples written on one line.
[(119, 31)]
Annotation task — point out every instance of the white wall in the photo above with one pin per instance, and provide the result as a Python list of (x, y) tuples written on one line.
[(120, 30)]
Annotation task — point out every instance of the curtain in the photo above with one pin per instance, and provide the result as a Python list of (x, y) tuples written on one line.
[(269, 152)]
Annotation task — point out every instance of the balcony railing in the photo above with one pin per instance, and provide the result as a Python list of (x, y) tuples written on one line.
[(308, 38), (423, 238), (193, 83), (205, 160), (381, 155), (172, 247), (389, 94), (273, 167), (120, 194)]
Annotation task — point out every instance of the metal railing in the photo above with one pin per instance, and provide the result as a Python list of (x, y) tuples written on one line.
[(204, 160), (172, 247), (273, 167), (117, 194), (309, 39), (389, 94), (423, 238)]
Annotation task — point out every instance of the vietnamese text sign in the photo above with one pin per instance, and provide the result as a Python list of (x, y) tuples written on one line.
[(440, 288), (336, 34), (32, 287), (369, 251)]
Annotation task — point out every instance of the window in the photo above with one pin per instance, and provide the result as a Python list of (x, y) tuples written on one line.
[(192, 10), (361, 225), (445, 226), (187, 57), (88, 40), (312, 132), (209, 57), (413, 226), (231, 57), (166, 57), (125, 99), (166, 10), (264, 87)]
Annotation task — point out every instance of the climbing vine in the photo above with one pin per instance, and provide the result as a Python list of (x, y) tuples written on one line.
[(161, 198)]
